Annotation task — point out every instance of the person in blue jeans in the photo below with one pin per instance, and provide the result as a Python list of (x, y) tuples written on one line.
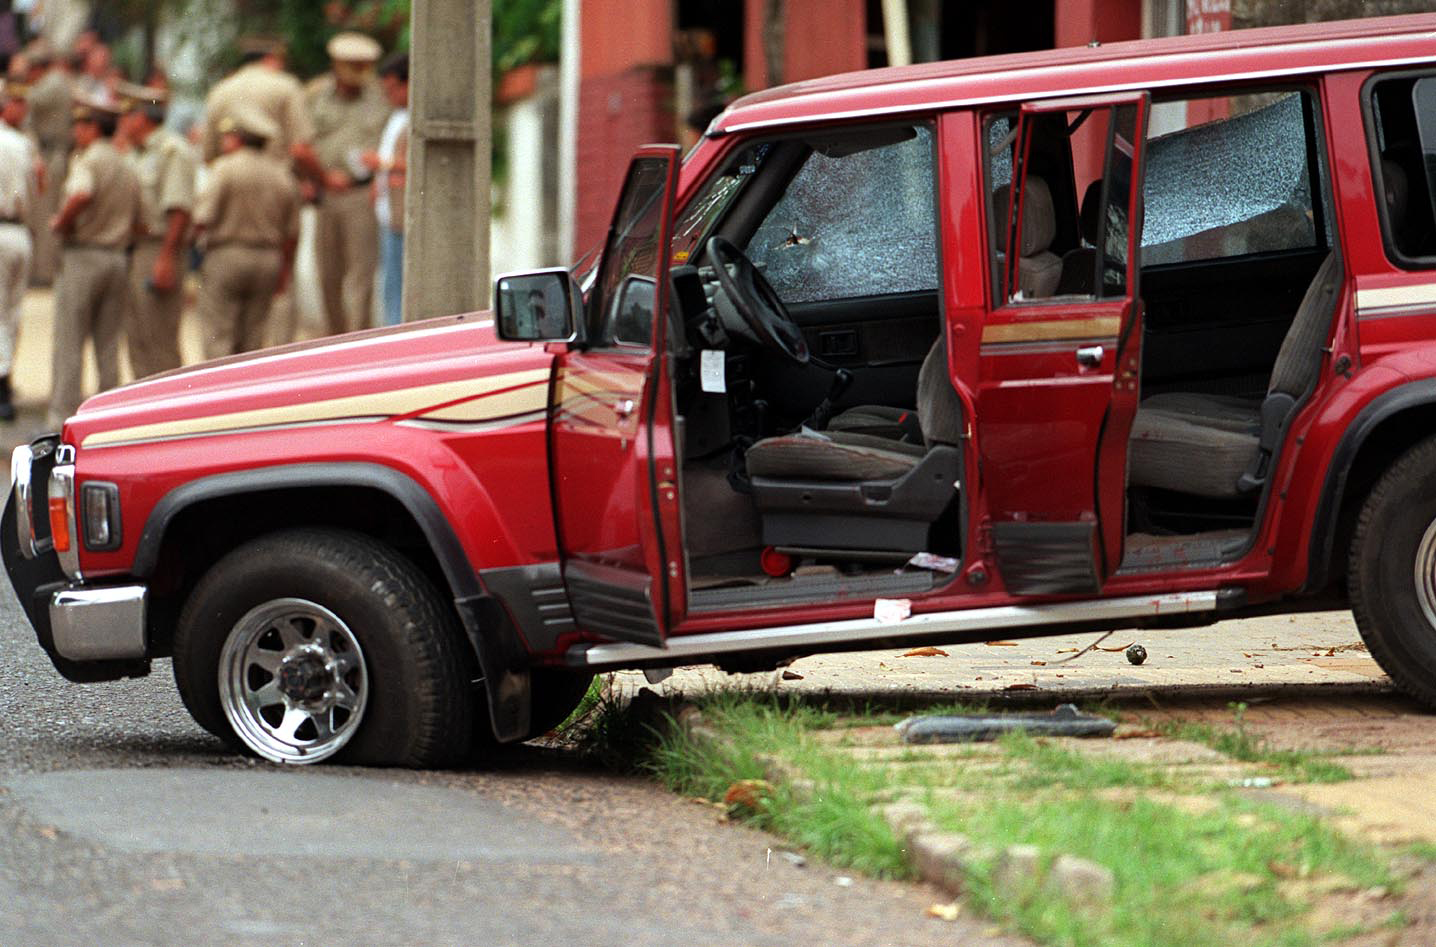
[(389, 163)]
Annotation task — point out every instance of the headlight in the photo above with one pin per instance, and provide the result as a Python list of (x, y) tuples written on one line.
[(101, 505)]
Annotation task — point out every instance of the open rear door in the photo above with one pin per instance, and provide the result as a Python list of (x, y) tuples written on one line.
[(1061, 353), (613, 471)]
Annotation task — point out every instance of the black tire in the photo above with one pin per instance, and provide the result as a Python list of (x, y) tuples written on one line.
[(556, 694), (419, 704), (1394, 531)]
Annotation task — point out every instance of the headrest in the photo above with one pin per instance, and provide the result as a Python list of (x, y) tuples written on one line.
[(1039, 219)]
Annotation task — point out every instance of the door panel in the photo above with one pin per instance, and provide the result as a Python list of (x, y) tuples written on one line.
[(1057, 387), (611, 450)]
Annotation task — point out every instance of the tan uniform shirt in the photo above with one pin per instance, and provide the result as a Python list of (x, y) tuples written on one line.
[(277, 94), (116, 211), (250, 199), (50, 102), (167, 167), (345, 128)]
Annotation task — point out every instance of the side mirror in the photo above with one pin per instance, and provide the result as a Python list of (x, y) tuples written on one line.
[(538, 306)]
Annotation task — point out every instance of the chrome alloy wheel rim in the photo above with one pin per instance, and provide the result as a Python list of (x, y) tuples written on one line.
[(292, 681), (1426, 574)]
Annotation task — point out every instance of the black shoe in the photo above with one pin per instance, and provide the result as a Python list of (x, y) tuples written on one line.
[(7, 409)]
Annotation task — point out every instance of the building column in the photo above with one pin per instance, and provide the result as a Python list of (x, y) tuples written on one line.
[(446, 209)]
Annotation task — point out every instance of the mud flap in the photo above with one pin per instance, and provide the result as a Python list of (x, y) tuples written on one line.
[(504, 664)]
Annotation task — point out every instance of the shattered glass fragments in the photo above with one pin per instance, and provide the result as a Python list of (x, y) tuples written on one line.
[(1229, 187), (859, 225)]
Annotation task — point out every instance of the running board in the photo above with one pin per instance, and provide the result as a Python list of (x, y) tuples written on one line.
[(823, 636)]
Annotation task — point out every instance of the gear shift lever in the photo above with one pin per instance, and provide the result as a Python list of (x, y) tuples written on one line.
[(823, 413)]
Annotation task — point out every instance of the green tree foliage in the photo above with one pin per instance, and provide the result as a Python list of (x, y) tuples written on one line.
[(523, 30)]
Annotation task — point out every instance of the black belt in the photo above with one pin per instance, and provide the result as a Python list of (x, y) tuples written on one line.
[(12, 220)]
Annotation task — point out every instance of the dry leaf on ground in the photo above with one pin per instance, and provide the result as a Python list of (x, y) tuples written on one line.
[(926, 652)]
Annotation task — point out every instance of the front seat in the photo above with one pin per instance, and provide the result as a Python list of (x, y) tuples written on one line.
[(1220, 445), (1038, 272), (841, 490)]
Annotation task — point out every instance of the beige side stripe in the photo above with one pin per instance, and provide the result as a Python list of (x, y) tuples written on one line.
[(1049, 330), (379, 403), (1397, 297)]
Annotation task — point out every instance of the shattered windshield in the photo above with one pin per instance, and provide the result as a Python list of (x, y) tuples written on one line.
[(858, 219), (1233, 183)]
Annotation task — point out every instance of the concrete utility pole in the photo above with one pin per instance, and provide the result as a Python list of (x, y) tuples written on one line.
[(446, 211)]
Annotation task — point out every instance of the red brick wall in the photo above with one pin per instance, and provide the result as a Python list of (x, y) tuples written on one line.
[(617, 113)]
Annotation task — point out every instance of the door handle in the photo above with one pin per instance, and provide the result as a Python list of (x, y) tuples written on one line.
[(1090, 356), (623, 408)]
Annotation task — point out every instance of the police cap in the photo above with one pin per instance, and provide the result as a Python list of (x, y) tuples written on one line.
[(249, 121), (354, 47)]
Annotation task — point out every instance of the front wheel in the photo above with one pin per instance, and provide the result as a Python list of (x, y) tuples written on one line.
[(311, 644), (1392, 572)]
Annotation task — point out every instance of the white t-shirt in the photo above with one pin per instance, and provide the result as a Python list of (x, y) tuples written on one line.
[(388, 141)]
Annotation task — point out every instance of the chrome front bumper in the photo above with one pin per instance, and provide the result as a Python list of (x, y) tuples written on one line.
[(99, 624), (90, 632)]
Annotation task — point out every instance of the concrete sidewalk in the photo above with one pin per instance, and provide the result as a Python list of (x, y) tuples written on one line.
[(1257, 655)]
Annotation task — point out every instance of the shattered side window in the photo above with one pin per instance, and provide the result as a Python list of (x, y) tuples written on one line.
[(858, 219), (1227, 176)]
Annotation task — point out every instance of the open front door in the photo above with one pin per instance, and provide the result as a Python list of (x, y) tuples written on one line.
[(1060, 350), (611, 452)]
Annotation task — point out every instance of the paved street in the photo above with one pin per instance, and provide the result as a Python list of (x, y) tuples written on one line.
[(121, 822)]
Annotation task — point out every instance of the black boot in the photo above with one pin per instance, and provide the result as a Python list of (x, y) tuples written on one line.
[(7, 409)]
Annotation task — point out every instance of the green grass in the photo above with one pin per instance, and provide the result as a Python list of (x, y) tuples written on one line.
[(832, 820), (1220, 872), (1241, 744), (1194, 879)]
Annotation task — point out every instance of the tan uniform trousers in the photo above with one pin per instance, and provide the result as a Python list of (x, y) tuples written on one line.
[(91, 292), (47, 244), (347, 251), (237, 284), (152, 329)]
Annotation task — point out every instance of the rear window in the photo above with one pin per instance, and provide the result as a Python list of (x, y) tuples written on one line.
[(1401, 112), (1231, 176)]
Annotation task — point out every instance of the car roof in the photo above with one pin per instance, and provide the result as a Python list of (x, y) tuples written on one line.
[(1139, 64)]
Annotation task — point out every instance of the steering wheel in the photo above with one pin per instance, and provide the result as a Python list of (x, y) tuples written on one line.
[(756, 301)]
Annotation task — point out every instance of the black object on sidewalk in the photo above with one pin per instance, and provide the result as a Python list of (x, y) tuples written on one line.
[(1065, 721)]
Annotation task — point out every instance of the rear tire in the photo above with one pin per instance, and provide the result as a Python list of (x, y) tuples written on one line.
[(313, 644), (1391, 572)]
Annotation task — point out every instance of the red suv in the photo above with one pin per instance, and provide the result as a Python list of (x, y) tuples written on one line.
[(1137, 334)]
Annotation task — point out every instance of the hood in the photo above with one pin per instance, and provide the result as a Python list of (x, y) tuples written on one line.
[(449, 370)]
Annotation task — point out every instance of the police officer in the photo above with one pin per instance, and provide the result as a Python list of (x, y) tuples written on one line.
[(349, 112), (101, 214), (167, 167), (248, 217), (50, 99), (18, 181), (262, 84)]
